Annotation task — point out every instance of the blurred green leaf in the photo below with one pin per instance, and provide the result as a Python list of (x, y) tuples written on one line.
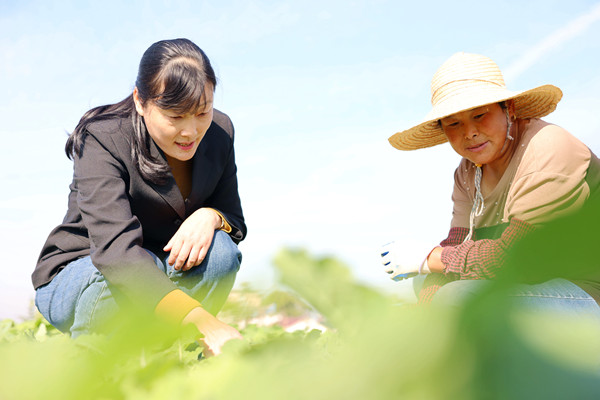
[(371, 348)]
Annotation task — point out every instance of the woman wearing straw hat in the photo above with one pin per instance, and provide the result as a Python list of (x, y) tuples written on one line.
[(517, 172)]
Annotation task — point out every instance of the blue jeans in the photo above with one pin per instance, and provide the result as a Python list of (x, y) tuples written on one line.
[(557, 295), (79, 299)]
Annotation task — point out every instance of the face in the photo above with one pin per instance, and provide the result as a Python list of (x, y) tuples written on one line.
[(177, 135), (479, 134)]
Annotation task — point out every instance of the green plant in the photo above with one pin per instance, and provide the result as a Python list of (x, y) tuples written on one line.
[(372, 347)]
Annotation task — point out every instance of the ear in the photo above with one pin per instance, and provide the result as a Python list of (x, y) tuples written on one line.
[(510, 106), (138, 104)]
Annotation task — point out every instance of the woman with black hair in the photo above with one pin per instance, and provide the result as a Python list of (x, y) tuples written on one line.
[(154, 215)]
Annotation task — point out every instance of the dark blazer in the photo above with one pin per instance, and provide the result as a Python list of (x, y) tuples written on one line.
[(114, 214)]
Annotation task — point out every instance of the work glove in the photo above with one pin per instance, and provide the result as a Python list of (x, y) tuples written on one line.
[(403, 261)]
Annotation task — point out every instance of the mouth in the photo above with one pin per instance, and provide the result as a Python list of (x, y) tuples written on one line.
[(185, 145), (478, 147)]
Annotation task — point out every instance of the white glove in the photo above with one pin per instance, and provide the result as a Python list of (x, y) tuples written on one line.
[(405, 260)]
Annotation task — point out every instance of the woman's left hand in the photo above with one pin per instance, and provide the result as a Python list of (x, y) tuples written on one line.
[(192, 240)]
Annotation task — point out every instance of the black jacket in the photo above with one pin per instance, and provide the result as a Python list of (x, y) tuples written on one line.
[(114, 214)]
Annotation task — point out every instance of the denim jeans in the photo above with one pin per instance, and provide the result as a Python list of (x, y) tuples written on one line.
[(79, 299), (556, 295)]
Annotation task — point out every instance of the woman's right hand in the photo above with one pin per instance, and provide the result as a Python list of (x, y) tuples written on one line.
[(216, 333), (403, 260), (191, 242)]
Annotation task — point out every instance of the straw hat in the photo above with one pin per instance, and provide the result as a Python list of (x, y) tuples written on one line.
[(467, 81)]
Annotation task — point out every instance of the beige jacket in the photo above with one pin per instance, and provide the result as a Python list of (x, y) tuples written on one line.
[(546, 178)]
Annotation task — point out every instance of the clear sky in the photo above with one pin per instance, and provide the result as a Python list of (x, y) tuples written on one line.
[(314, 89)]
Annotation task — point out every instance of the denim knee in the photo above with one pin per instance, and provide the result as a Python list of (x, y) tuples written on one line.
[(223, 258), (95, 308), (57, 300), (218, 269), (457, 293)]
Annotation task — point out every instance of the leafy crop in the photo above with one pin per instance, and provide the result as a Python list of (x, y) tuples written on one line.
[(373, 347)]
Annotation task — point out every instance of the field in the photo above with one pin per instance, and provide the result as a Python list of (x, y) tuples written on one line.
[(328, 337)]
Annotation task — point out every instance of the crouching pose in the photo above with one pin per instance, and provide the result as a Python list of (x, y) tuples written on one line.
[(154, 216), (517, 173)]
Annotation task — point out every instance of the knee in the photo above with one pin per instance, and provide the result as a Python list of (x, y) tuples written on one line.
[(457, 293), (447, 295), (224, 258)]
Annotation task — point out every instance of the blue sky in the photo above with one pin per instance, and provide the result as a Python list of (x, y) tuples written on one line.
[(314, 89)]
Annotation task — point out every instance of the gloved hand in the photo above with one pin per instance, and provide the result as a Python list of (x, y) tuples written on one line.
[(404, 260)]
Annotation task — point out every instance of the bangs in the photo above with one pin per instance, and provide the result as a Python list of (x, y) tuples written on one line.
[(182, 85)]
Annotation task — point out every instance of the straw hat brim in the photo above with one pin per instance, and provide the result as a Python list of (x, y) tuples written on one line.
[(534, 103)]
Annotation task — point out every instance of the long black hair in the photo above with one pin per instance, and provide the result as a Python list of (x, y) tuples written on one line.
[(173, 75)]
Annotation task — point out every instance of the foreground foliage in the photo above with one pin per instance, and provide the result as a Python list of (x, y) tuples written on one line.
[(373, 347)]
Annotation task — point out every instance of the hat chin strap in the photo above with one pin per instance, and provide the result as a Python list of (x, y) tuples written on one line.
[(478, 204), (508, 126)]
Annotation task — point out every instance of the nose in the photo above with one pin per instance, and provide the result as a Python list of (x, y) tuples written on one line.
[(470, 130), (190, 127)]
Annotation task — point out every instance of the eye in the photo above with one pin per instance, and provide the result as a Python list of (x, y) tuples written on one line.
[(204, 111), (451, 124), (480, 114)]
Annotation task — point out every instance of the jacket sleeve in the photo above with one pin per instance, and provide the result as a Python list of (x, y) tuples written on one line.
[(433, 282), (225, 197), (226, 200), (551, 179), (481, 259), (116, 238), (550, 182), (473, 259)]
